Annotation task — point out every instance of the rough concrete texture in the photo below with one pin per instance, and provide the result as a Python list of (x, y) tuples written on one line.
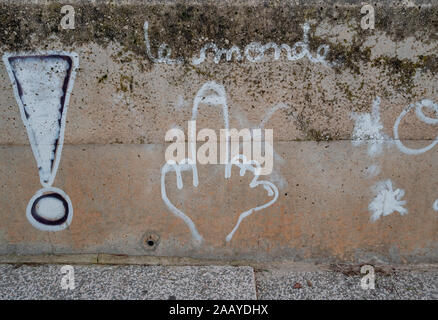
[(128, 282), (308, 222), (124, 100)]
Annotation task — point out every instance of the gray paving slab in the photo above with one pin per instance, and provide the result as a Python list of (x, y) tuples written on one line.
[(24, 281), (318, 285), (128, 282)]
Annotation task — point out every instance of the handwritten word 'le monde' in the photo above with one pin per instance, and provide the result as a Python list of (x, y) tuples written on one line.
[(253, 52)]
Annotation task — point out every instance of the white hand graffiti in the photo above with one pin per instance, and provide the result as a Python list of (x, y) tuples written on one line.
[(213, 94), (183, 166), (239, 161), (254, 167)]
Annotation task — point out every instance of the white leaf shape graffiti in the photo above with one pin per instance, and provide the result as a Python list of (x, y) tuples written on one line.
[(387, 200), (368, 129)]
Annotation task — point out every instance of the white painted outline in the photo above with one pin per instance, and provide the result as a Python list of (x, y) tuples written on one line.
[(219, 97), (47, 186), (45, 227), (75, 63), (214, 94), (368, 128), (269, 186), (425, 103), (168, 167), (420, 115)]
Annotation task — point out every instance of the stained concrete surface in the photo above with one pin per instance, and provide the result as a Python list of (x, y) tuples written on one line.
[(117, 202), (212, 282), (124, 101)]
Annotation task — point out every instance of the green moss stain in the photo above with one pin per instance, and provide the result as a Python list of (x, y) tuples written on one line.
[(186, 27), (182, 25), (126, 83), (102, 79)]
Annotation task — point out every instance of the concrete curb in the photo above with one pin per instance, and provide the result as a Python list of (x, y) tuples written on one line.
[(281, 266)]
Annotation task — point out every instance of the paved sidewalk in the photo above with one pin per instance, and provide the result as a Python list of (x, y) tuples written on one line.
[(127, 282), (18, 281), (401, 285)]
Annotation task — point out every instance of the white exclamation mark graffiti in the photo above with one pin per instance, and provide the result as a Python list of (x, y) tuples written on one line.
[(42, 84)]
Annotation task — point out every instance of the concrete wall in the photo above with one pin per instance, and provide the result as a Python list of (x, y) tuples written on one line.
[(354, 116)]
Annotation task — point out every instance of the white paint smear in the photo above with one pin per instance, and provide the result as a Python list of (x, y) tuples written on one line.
[(368, 129), (50, 208), (387, 200), (271, 112), (435, 205), (372, 171)]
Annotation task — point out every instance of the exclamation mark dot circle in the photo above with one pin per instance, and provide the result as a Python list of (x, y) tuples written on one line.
[(50, 209)]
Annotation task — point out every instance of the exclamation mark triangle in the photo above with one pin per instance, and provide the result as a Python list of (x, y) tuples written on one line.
[(42, 84)]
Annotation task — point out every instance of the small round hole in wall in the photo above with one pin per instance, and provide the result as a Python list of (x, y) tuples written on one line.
[(150, 240)]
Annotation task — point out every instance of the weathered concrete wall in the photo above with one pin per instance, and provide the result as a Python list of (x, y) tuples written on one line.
[(335, 108)]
